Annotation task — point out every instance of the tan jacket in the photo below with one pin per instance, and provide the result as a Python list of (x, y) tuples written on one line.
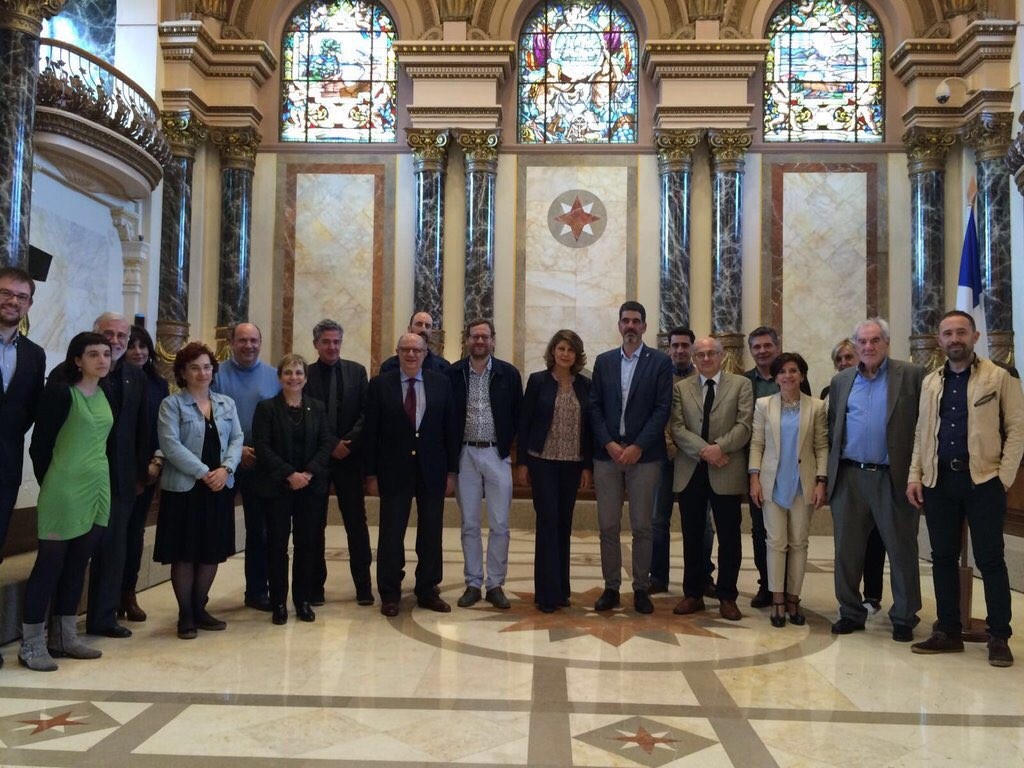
[(669, 445), (995, 425), (812, 443)]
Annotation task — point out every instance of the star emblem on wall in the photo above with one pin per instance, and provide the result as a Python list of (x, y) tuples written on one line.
[(577, 218)]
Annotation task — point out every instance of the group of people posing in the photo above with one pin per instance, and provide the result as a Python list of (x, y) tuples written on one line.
[(883, 442)]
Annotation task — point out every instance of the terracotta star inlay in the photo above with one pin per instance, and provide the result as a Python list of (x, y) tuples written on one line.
[(45, 723), (613, 627), (577, 218), (645, 740)]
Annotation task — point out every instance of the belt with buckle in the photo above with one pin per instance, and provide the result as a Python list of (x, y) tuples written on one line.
[(867, 466), (479, 444), (956, 465)]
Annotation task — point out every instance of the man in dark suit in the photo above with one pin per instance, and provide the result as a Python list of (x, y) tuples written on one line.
[(422, 324), (872, 417), (22, 367), (341, 386), (128, 454), (630, 399), (412, 451)]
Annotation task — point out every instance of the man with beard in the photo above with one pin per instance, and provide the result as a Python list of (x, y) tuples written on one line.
[(422, 324)]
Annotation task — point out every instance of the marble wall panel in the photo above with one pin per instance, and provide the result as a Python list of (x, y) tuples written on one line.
[(88, 24), (567, 287), (333, 255), (822, 256)]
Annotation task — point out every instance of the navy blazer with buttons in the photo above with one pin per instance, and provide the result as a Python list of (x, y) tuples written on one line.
[(539, 410), (18, 405), (648, 403)]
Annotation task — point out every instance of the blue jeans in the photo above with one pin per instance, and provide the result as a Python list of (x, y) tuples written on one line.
[(661, 525)]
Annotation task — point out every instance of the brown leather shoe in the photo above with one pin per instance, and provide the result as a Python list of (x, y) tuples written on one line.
[(389, 609), (130, 607), (999, 652), (729, 610), (688, 605), (434, 603)]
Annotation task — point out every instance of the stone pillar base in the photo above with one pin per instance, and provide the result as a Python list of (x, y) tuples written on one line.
[(1000, 347), (924, 350), (732, 345), (170, 337), (222, 350)]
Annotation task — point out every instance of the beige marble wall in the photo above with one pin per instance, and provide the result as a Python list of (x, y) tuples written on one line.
[(577, 288)]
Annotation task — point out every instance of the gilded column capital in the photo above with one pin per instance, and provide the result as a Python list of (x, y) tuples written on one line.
[(927, 148), (456, 10), (429, 148), (184, 132), (28, 15), (675, 148), (705, 9), (237, 146), (954, 8), (480, 147), (988, 134), (728, 147)]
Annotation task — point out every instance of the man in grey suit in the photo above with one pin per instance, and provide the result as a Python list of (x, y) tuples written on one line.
[(711, 418), (872, 416)]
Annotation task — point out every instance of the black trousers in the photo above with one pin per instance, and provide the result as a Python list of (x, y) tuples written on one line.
[(8, 498), (693, 503), (58, 575), (394, 519), (874, 566), (107, 568), (256, 586), (295, 514), (347, 477), (134, 537), (554, 485)]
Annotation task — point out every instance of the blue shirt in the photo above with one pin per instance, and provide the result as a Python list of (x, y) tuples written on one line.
[(787, 476), (626, 370), (953, 414), (247, 387), (867, 412), (8, 360)]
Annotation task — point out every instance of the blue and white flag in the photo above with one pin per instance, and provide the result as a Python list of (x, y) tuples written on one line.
[(969, 295)]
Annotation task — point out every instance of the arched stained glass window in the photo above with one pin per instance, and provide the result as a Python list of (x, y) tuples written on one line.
[(824, 73), (338, 73), (578, 74)]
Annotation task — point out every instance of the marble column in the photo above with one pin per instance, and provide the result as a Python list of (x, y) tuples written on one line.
[(430, 161), (728, 147), (989, 135), (675, 163), (185, 132), (21, 23), (237, 148), (481, 151), (926, 161)]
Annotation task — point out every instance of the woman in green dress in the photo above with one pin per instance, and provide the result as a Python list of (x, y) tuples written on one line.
[(69, 456)]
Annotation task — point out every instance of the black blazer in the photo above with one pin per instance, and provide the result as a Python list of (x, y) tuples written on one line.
[(18, 406), (506, 391), (55, 406), (272, 441), (393, 450), (352, 388), (128, 447), (539, 409)]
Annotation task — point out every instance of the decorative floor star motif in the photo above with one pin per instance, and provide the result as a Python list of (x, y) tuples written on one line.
[(577, 218), (645, 742), (45, 723), (613, 627), (61, 721)]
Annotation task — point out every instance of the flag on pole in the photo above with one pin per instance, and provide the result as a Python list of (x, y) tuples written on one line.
[(969, 296)]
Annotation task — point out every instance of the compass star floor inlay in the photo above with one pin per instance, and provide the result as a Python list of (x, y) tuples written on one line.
[(487, 687)]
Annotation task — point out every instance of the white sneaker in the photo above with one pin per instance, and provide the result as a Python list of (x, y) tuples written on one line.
[(872, 606)]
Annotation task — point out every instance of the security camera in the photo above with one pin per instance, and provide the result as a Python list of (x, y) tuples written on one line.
[(942, 92)]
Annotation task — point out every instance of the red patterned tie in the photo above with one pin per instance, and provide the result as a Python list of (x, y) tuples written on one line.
[(410, 402)]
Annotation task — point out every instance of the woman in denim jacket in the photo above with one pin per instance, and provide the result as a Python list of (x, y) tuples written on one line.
[(201, 440)]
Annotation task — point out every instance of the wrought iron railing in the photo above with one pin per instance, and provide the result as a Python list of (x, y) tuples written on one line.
[(78, 82)]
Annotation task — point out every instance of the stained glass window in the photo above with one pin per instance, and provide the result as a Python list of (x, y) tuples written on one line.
[(338, 73), (824, 73), (577, 74)]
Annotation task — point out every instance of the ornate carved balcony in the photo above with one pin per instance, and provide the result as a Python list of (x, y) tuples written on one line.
[(96, 125)]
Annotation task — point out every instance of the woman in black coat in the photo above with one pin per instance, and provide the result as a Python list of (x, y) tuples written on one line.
[(556, 457), (293, 443)]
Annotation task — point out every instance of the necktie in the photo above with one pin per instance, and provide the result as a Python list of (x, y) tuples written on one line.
[(332, 398), (709, 402), (410, 402)]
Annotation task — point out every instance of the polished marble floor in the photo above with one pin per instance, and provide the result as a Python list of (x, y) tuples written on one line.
[(515, 688)]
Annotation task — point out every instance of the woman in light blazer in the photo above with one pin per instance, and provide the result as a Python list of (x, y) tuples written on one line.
[(788, 474), (201, 439)]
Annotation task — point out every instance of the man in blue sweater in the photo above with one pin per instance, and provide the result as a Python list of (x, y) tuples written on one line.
[(246, 379)]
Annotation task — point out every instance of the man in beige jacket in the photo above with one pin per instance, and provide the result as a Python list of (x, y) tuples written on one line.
[(967, 449)]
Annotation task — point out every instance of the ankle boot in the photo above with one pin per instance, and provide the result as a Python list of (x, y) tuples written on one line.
[(64, 640), (130, 607), (33, 653)]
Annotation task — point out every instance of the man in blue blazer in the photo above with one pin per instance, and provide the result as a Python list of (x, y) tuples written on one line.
[(630, 398)]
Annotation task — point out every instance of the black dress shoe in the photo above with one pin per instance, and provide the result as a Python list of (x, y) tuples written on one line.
[(186, 630), (389, 609), (208, 622), (114, 630), (469, 598), (565, 602), (846, 626), (545, 608), (320, 599), (259, 603), (279, 615), (434, 603), (657, 587), (304, 612), (762, 599), (642, 601), (901, 633), (364, 596), (496, 597), (609, 599)]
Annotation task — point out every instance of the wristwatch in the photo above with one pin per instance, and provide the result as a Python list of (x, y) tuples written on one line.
[(228, 469)]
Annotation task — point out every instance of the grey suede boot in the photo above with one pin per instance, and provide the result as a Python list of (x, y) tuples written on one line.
[(64, 640), (33, 653)]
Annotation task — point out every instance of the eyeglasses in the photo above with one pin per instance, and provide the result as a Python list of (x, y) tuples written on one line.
[(23, 298), (411, 350)]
